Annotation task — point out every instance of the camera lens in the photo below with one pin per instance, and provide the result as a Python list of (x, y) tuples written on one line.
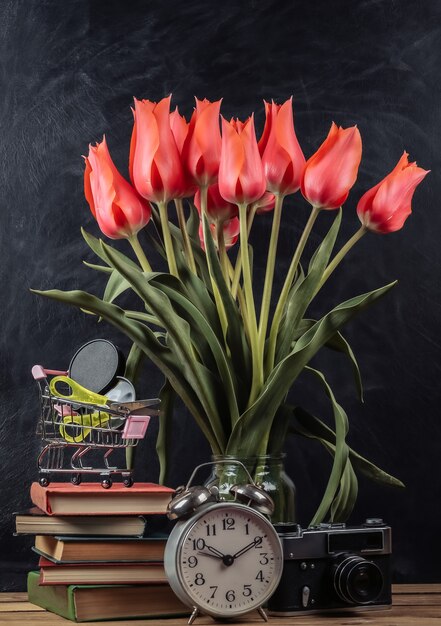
[(358, 581)]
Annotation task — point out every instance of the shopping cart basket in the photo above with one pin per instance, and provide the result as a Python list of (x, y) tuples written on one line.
[(72, 426)]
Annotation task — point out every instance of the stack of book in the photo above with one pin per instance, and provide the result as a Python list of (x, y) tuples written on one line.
[(98, 560)]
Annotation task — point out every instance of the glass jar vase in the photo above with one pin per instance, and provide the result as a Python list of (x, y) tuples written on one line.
[(267, 471)]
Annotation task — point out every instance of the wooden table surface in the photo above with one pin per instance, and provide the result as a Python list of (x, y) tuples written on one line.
[(413, 605)]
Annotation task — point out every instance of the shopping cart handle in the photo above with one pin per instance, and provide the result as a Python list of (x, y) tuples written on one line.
[(39, 372)]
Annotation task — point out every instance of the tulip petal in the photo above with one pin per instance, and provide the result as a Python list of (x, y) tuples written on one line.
[(231, 162), (332, 171), (87, 187), (251, 176), (146, 146), (385, 207), (115, 204)]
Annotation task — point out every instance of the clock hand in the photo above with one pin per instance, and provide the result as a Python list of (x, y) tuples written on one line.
[(214, 552), (247, 547), (226, 559)]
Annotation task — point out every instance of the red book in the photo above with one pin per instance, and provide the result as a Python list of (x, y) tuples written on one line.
[(92, 499), (100, 573)]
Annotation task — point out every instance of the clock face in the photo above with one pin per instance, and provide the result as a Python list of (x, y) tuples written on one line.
[(229, 560)]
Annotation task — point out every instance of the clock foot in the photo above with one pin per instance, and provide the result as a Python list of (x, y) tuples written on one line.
[(194, 615), (262, 614)]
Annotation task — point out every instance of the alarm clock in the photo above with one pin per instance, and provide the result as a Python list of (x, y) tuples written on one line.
[(223, 558)]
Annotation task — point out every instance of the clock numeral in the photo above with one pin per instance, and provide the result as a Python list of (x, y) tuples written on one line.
[(260, 576), (228, 523), (214, 587), (246, 590), (230, 595), (192, 561), (211, 530), (199, 579), (198, 544), (264, 558), (257, 542), (247, 529)]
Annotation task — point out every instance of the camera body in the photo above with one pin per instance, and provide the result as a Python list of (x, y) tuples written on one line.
[(334, 567)]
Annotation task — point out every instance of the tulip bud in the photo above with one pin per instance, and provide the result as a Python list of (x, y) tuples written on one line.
[(115, 204), (180, 129), (202, 148), (241, 177), (332, 171), (385, 207), (264, 204), (218, 209), (230, 229), (155, 162), (282, 157)]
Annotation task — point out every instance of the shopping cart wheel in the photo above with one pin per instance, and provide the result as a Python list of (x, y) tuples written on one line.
[(106, 483), (43, 481), (128, 481), (75, 479)]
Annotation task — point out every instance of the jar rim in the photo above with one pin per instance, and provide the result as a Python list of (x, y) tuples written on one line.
[(281, 456)]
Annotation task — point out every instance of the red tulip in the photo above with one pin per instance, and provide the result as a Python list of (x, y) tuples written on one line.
[(265, 203), (331, 172), (180, 129), (218, 209), (115, 204), (241, 177), (230, 228), (385, 207), (202, 148), (155, 163), (282, 157)]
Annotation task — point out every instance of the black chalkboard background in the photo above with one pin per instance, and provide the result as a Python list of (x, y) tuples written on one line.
[(68, 73)]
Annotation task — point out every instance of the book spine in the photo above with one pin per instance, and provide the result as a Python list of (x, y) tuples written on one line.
[(40, 497), (56, 599)]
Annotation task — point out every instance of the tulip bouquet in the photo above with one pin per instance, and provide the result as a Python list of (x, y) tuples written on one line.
[(231, 364)]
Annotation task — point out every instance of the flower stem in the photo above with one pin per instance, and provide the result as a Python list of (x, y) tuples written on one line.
[(223, 257), (286, 288), (188, 251), (238, 268), (257, 381), (170, 253), (341, 254), (269, 274), (207, 233), (140, 255)]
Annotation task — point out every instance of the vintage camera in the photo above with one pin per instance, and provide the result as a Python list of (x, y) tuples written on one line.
[(334, 567)]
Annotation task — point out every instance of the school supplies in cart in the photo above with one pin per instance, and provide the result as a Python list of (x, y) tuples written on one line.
[(77, 420)]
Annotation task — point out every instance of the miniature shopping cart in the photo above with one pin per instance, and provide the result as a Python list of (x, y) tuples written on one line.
[(76, 423)]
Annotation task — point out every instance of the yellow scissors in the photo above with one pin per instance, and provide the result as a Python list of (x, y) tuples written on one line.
[(79, 394)]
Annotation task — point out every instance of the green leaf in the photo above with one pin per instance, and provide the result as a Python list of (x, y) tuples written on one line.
[(169, 285), (345, 500), (142, 317), (116, 285), (335, 482), (167, 396), (95, 245), (179, 331), (134, 363), (303, 292), (193, 223), (339, 344), (254, 425), (99, 268), (310, 426), (171, 366), (236, 339)]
